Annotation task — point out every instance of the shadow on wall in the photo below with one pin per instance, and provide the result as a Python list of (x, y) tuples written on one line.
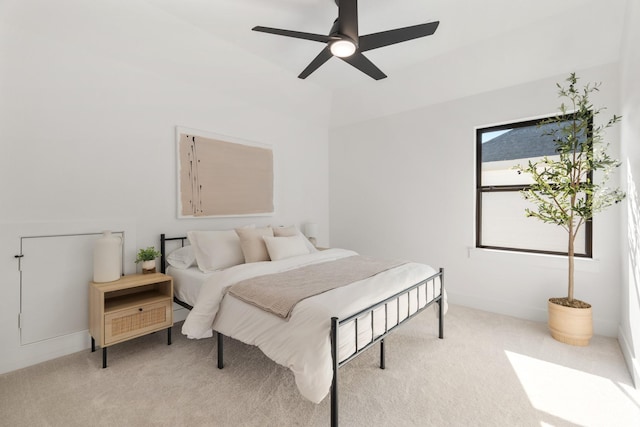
[(633, 229), (633, 237)]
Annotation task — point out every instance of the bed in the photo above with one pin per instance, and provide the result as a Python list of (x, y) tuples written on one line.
[(315, 335)]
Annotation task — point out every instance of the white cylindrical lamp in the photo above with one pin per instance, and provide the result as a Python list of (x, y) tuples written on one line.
[(311, 231), (107, 258)]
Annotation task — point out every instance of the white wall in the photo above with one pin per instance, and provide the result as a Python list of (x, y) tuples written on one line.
[(629, 336), (403, 186), (90, 94), (533, 50)]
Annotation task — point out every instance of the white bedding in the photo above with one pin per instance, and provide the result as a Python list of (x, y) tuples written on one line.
[(302, 343), (187, 283)]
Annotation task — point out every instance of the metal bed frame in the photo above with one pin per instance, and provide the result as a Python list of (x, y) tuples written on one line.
[(337, 322)]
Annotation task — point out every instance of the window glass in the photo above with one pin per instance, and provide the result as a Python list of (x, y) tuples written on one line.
[(501, 222), (504, 225), (503, 149)]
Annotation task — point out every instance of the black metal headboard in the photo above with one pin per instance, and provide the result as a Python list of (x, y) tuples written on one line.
[(163, 249)]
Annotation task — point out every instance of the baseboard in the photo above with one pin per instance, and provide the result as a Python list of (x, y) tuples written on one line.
[(600, 327), (31, 354), (633, 365), (179, 313), (498, 307)]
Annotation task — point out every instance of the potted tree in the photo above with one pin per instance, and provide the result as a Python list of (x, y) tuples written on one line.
[(148, 259), (566, 195)]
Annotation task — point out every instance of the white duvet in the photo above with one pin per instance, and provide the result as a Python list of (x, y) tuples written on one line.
[(302, 343)]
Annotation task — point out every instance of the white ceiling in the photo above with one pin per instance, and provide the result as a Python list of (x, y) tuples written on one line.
[(463, 24), (208, 46)]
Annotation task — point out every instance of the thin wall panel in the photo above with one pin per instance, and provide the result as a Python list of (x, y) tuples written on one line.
[(55, 274)]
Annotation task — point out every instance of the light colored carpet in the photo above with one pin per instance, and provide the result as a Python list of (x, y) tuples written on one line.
[(490, 370)]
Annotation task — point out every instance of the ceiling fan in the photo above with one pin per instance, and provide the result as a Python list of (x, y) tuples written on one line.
[(344, 41)]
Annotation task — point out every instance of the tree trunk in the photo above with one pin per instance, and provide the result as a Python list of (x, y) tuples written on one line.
[(570, 252)]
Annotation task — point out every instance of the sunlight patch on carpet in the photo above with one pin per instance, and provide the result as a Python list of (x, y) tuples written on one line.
[(569, 394)]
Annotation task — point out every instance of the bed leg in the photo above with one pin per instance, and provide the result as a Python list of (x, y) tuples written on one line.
[(220, 350), (440, 319), (334, 383), (441, 306), (382, 366)]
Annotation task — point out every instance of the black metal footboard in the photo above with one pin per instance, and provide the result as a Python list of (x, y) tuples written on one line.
[(395, 299)]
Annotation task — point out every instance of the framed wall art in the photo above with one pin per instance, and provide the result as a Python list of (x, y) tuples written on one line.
[(222, 176)]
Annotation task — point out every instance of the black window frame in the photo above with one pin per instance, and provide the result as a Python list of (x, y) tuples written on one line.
[(480, 190)]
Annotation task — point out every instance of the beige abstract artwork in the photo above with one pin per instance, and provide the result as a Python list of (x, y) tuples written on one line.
[(218, 177)]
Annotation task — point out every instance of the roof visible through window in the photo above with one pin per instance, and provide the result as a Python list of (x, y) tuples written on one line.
[(520, 143)]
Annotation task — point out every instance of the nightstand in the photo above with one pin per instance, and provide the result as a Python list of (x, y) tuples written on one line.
[(130, 307)]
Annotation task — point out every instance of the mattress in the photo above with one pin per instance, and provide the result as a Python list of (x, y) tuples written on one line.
[(187, 283)]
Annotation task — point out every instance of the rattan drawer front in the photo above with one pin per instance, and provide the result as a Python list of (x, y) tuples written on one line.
[(133, 322)]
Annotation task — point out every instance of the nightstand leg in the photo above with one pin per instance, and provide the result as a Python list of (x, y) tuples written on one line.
[(104, 357), (169, 336), (220, 361), (93, 345)]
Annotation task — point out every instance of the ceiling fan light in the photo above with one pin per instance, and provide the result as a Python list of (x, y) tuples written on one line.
[(342, 48)]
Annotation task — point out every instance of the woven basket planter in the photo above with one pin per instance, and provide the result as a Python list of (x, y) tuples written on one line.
[(570, 325)]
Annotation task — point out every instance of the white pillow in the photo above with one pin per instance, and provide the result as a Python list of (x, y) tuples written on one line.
[(182, 258), (252, 245), (216, 249), (285, 247), (292, 230)]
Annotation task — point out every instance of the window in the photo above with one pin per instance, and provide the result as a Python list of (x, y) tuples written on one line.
[(500, 208)]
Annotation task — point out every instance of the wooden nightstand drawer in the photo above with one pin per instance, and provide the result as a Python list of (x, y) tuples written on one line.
[(124, 324)]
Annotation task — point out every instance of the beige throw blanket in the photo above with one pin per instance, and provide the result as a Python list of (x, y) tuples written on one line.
[(280, 292)]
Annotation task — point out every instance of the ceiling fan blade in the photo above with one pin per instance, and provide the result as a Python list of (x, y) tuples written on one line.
[(294, 34), (322, 57), (399, 35), (348, 18), (359, 61)]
